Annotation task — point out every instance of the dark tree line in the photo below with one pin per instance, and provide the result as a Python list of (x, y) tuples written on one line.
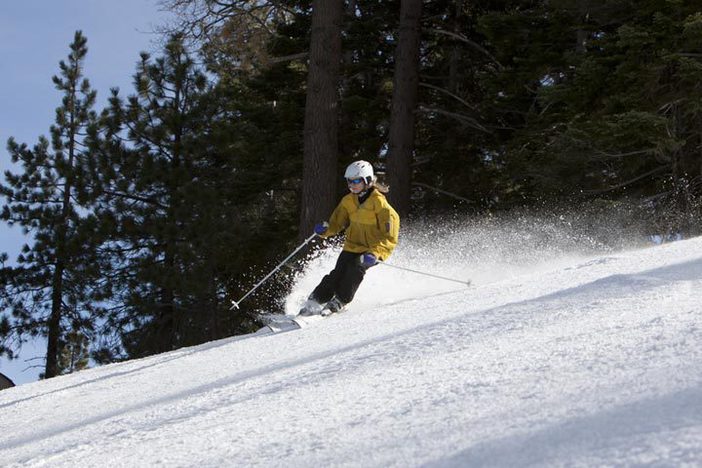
[(146, 218)]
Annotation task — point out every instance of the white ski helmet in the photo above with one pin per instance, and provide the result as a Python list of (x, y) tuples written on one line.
[(360, 169)]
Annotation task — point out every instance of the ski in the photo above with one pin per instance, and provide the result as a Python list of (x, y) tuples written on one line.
[(285, 323)]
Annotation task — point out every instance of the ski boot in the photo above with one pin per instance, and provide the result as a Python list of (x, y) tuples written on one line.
[(310, 307), (334, 306)]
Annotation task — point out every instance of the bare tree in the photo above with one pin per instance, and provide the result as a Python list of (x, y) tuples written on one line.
[(404, 104), (237, 30)]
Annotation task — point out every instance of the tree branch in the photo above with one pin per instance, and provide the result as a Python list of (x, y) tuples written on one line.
[(449, 93), (465, 40), (469, 121), (444, 192), (628, 182)]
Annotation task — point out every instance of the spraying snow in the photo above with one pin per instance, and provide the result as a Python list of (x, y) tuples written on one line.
[(481, 250)]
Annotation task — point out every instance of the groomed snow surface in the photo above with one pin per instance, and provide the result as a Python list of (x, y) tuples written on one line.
[(548, 359)]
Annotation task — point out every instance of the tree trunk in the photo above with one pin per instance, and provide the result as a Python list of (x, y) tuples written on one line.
[(404, 103), (455, 60), (53, 336), (581, 35), (319, 179), (346, 146)]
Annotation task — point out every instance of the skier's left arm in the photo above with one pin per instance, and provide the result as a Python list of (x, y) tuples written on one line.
[(389, 227)]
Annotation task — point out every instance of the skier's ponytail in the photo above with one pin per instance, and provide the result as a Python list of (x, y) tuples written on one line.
[(380, 185)]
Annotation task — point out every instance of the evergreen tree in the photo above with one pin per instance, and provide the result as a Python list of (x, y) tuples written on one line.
[(513, 96), (601, 94), (262, 100), (54, 287), (170, 196), (366, 79)]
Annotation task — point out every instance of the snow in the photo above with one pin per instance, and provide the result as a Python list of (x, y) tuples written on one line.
[(559, 359)]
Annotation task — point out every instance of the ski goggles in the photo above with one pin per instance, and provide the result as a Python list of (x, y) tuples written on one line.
[(354, 181)]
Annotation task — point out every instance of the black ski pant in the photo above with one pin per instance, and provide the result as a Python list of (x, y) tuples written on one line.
[(343, 280)]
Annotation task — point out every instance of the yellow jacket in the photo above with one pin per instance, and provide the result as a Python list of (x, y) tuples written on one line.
[(371, 227)]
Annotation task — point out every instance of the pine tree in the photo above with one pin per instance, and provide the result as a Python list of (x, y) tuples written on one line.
[(165, 171), (366, 80), (602, 96), (51, 291), (260, 92)]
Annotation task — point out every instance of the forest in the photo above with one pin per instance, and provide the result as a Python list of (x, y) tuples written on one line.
[(145, 219)]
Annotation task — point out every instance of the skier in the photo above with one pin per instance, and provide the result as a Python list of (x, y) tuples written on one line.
[(372, 227)]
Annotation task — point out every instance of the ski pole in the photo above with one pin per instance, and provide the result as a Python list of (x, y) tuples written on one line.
[(235, 304), (467, 283)]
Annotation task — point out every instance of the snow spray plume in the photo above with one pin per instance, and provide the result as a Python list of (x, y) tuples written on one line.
[(483, 249)]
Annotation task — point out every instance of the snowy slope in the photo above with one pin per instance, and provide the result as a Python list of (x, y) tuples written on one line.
[(577, 361)]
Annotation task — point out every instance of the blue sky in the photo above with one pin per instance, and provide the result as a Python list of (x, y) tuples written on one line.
[(34, 36)]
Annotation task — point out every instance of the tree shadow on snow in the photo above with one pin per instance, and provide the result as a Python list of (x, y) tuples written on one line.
[(610, 437)]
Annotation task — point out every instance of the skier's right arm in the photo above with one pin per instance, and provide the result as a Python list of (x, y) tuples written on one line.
[(338, 221)]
